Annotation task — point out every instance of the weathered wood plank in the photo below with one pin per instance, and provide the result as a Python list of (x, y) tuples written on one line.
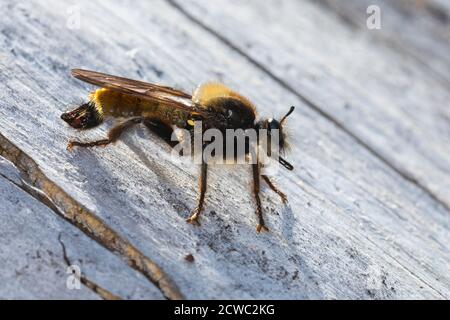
[(420, 29), (383, 97), (36, 243), (353, 228)]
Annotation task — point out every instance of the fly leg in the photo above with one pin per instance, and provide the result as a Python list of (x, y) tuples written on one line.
[(256, 188), (113, 134), (162, 130), (274, 188), (193, 219)]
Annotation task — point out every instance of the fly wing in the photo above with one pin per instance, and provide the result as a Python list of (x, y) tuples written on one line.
[(165, 95)]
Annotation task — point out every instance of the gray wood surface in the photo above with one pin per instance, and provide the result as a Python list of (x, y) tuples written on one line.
[(368, 213), (418, 29), (363, 85), (38, 247)]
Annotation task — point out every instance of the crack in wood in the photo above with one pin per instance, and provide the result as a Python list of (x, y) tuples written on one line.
[(38, 185), (103, 293), (314, 107)]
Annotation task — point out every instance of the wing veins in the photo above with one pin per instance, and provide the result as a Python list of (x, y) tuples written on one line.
[(140, 89)]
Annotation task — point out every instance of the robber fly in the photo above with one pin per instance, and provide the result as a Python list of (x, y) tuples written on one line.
[(161, 109)]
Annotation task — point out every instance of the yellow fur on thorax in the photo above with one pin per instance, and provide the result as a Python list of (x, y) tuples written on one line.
[(212, 90)]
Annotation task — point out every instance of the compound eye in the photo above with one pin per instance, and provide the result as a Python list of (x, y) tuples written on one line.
[(273, 124)]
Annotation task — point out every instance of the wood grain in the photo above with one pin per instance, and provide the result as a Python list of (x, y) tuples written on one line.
[(354, 227), (390, 104)]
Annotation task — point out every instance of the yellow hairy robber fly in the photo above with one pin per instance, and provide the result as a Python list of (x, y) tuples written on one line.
[(161, 109)]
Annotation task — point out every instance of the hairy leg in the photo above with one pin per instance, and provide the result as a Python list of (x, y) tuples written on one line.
[(256, 188), (162, 130), (113, 134), (202, 184), (274, 188)]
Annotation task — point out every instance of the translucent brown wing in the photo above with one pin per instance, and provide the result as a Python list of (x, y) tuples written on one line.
[(166, 95)]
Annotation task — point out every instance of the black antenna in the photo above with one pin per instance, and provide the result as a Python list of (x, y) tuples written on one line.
[(287, 114)]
